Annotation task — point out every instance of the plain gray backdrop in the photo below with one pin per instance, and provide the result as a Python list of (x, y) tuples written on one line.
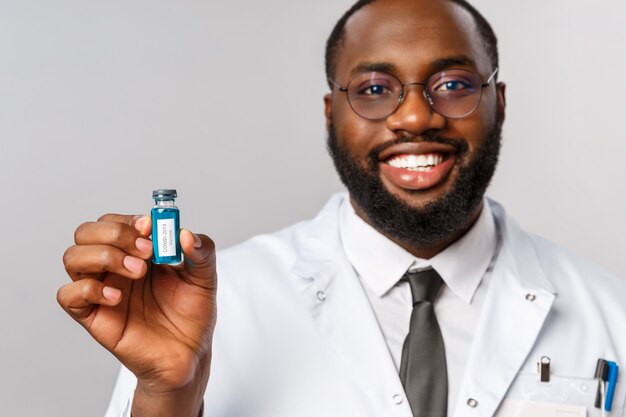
[(103, 101)]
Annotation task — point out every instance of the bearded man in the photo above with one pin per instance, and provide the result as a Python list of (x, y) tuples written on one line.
[(411, 295)]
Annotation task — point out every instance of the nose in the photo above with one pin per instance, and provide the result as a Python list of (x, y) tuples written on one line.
[(415, 114)]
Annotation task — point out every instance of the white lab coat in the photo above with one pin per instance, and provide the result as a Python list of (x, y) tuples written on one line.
[(296, 336)]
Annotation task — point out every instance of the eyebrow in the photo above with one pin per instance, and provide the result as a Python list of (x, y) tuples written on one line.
[(435, 66), (373, 66), (454, 61)]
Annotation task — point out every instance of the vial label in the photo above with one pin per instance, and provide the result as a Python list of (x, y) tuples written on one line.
[(166, 237)]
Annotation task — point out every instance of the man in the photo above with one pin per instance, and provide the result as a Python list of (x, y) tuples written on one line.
[(332, 317)]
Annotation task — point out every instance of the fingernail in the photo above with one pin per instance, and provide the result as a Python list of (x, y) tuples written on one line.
[(197, 243), (111, 294), (143, 245), (140, 223), (133, 264)]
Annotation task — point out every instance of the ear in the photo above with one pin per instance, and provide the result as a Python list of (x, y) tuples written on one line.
[(501, 100), (328, 109)]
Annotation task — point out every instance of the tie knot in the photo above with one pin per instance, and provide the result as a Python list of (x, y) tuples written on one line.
[(425, 284)]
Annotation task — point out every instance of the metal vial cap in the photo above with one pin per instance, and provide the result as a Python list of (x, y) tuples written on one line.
[(161, 195)]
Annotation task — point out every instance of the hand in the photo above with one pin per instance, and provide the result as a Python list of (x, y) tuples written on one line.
[(158, 320)]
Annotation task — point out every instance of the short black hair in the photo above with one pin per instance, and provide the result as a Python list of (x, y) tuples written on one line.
[(333, 45)]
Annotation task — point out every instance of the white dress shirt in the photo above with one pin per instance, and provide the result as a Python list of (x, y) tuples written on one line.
[(465, 267)]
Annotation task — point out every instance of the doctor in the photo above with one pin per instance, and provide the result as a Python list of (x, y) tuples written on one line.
[(412, 295)]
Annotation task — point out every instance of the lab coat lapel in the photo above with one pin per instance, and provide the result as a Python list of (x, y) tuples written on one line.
[(518, 301), (342, 314)]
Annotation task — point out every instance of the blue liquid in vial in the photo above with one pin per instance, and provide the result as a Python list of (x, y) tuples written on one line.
[(165, 236)]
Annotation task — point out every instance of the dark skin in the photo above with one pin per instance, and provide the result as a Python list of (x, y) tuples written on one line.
[(413, 38), (159, 320)]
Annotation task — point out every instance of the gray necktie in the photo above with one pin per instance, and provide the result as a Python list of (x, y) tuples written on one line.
[(423, 367)]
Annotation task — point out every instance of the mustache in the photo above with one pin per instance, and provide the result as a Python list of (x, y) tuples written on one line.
[(460, 145)]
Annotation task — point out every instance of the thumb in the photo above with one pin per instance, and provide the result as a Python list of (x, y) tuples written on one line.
[(199, 261)]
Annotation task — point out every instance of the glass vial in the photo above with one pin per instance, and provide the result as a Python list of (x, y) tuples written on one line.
[(165, 228)]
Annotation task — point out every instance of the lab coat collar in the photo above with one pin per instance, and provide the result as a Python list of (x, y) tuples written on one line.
[(526, 262)]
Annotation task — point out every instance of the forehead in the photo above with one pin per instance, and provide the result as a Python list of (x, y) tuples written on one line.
[(412, 36)]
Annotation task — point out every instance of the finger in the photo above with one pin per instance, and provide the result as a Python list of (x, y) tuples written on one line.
[(79, 298), (143, 224), (199, 261), (128, 219), (83, 261), (120, 235)]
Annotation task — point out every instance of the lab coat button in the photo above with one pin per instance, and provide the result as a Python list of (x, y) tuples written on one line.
[(321, 296), (397, 399), (472, 402), (530, 297)]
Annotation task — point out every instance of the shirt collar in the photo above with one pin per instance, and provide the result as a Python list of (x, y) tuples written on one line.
[(381, 263)]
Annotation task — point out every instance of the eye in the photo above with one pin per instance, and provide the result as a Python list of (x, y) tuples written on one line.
[(455, 83), (374, 89), (452, 85)]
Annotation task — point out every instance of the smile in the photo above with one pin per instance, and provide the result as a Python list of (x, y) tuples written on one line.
[(421, 163), (417, 166)]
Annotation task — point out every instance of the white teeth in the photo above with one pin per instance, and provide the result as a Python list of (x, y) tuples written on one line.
[(416, 162)]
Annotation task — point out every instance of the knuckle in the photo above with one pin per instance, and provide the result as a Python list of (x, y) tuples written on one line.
[(68, 257), (105, 260), (106, 217), (61, 297), (89, 288), (116, 232), (79, 231)]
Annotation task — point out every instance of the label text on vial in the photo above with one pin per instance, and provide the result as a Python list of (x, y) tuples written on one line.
[(165, 237)]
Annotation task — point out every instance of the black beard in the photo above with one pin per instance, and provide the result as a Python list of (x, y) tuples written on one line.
[(439, 220)]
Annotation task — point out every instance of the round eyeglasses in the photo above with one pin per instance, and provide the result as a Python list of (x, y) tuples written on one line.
[(453, 93)]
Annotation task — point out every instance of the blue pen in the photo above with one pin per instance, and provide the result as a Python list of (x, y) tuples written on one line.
[(612, 382)]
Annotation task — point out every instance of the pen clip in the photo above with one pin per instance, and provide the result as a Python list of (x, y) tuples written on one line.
[(602, 375), (543, 367)]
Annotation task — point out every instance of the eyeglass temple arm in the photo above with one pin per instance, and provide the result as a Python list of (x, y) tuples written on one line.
[(491, 77), (336, 84)]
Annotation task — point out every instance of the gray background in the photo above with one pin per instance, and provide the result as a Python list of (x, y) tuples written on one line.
[(101, 102)]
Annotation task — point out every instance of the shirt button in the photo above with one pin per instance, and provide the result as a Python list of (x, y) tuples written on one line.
[(530, 297), (397, 399), (321, 296), (472, 402)]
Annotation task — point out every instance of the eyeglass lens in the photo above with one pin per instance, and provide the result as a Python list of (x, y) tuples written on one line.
[(453, 93)]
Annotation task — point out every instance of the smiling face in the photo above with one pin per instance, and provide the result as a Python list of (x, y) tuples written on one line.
[(415, 175)]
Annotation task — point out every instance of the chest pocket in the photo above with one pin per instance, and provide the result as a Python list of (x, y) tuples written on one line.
[(528, 393)]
